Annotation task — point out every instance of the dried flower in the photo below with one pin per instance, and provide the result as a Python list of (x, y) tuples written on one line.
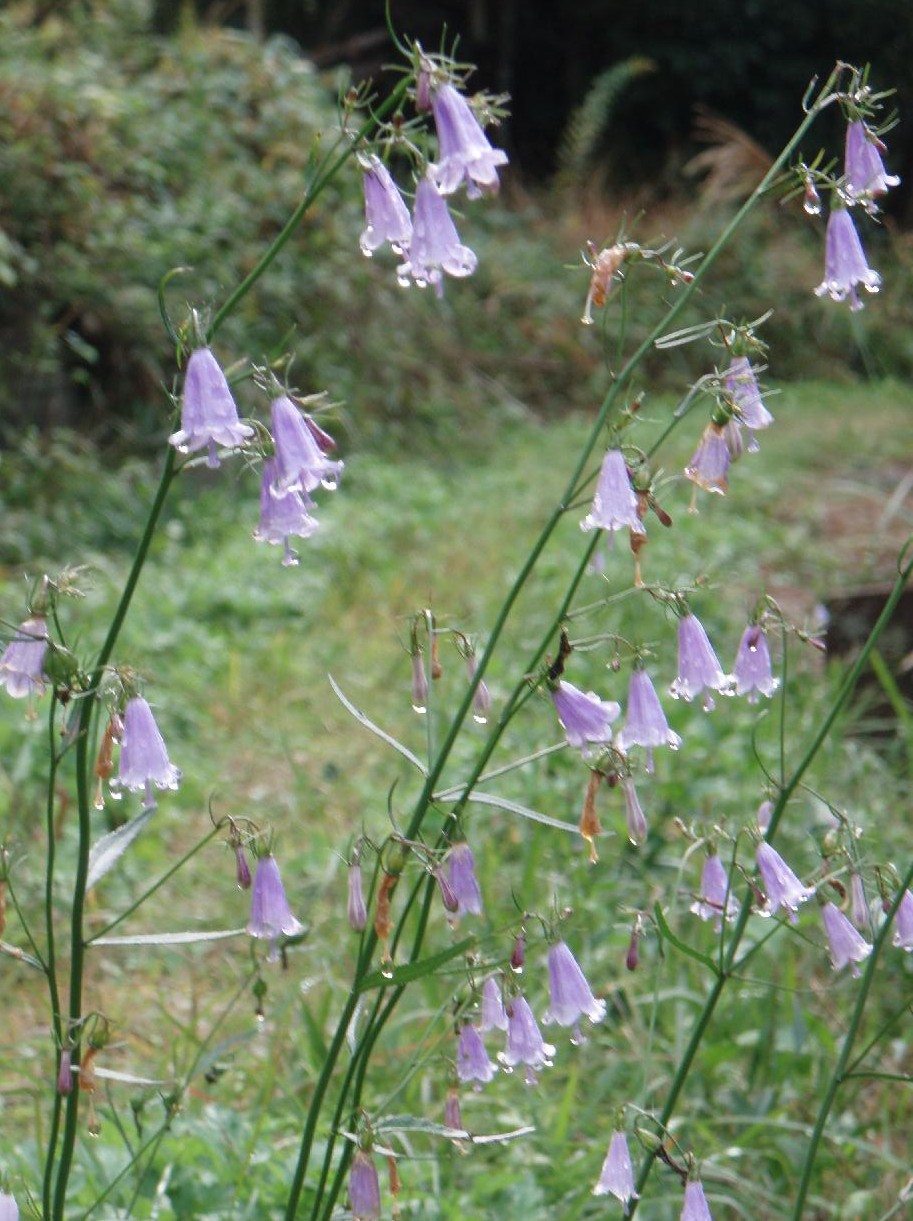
[(472, 1062), (518, 954), (605, 268), (746, 394), (448, 898), (570, 996), (634, 814), (844, 262), (494, 1016), (698, 666), (584, 717), (525, 1044), (903, 923), (752, 671), (695, 1207), (356, 910), (589, 825), (864, 172), (22, 662), (782, 887), (386, 215), (435, 247), (300, 464), (716, 900), (709, 465), (645, 723), (617, 1176), (143, 757), (465, 152), (461, 873), (282, 514), (209, 417), (364, 1188), (615, 501), (270, 914), (846, 946)]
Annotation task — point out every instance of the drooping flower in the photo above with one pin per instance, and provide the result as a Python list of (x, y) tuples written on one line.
[(584, 717), (863, 169), (270, 914), (493, 1016), (9, 1209), (746, 394), (364, 1188), (765, 809), (356, 910), (698, 666), (716, 900), (300, 463), (22, 662), (617, 1175), (419, 683), (144, 758), (282, 514), (859, 905), (570, 996), (645, 724), (465, 152), (844, 262), (695, 1207), (709, 465), (846, 946), (435, 247), (903, 923), (209, 417), (481, 699), (461, 873), (781, 886), (525, 1044), (386, 215), (615, 501), (634, 815), (472, 1062), (752, 671)]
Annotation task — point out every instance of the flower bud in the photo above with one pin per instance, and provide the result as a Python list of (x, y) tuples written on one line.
[(632, 957), (242, 869), (518, 957), (356, 910)]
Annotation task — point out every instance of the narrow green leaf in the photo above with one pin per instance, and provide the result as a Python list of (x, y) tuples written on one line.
[(666, 932), (171, 938), (415, 970), (104, 855)]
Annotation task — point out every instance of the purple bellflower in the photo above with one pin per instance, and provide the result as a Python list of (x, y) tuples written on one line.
[(364, 1188), (863, 169), (356, 911), (570, 996), (752, 671), (481, 700), (645, 724), (494, 1016), (472, 1062), (709, 465), (461, 873), (525, 1044), (584, 717), (698, 666), (844, 262), (746, 394), (781, 886), (386, 215), (903, 923), (846, 946), (695, 1207), (765, 809), (716, 900), (22, 662), (282, 514), (859, 905), (634, 814), (209, 417), (615, 501), (435, 247), (270, 914), (465, 152), (419, 683), (300, 463), (143, 757), (9, 1209), (617, 1176)]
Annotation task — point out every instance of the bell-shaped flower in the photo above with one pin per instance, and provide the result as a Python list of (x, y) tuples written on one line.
[(903, 923), (364, 1188), (494, 1016), (863, 169), (615, 501), (22, 661), (282, 514), (645, 723), (465, 154), (752, 672), (617, 1175), (570, 996), (9, 1209), (699, 669), (765, 809), (300, 463), (634, 815), (525, 1044), (209, 417), (746, 395), (859, 904), (716, 900), (386, 215), (845, 265), (270, 914), (695, 1207), (419, 683), (435, 247), (781, 886), (472, 1062), (584, 717), (481, 699), (356, 911), (144, 758), (709, 465), (846, 946), (461, 873)]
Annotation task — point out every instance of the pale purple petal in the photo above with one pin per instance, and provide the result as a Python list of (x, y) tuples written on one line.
[(494, 1016), (615, 501), (435, 247), (752, 671), (472, 1062), (570, 996), (22, 662), (282, 514), (364, 1188), (864, 170), (645, 722), (845, 944), (709, 465), (695, 1207), (465, 152), (716, 895), (143, 757), (699, 669), (584, 716), (617, 1175), (300, 464), (746, 394), (386, 215), (845, 264), (781, 886), (525, 1044), (903, 923), (461, 873), (356, 910), (209, 417), (270, 914)]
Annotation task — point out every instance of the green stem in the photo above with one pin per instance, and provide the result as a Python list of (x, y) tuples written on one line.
[(51, 956)]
